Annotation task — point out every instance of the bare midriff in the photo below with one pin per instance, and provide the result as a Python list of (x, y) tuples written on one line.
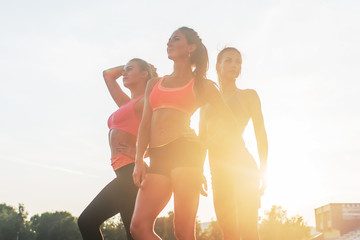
[(168, 125), (119, 138)]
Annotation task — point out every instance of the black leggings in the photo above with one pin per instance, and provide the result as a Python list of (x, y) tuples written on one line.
[(117, 197)]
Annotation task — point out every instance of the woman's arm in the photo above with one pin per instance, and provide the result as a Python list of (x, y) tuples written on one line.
[(143, 138), (110, 77), (260, 134)]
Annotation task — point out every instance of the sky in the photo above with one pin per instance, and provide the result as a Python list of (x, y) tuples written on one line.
[(302, 57)]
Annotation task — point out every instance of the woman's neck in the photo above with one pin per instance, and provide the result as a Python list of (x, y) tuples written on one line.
[(182, 70), (137, 91), (227, 87)]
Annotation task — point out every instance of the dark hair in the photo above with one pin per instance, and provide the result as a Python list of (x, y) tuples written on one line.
[(199, 58), (144, 66), (219, 58)]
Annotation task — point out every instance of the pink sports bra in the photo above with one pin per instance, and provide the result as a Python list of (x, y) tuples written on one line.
[(125, 118), (181, 98)]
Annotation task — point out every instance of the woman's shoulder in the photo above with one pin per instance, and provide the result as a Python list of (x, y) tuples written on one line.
[(152, 82), (210, 82), (249, 94), (208, 89), (209, 85)]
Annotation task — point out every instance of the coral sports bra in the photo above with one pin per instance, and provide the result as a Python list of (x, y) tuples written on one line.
[(181, 98), (125, 118)]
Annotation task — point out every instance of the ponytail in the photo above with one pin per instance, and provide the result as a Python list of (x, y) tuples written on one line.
[(199, 58)]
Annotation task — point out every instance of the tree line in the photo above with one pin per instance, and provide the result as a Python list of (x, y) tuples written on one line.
[(61, 225)]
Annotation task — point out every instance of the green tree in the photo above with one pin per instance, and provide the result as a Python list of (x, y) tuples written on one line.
[(55, 226), (277, 226), (13, 223), (113, 229), (164, 227), (212, 232)]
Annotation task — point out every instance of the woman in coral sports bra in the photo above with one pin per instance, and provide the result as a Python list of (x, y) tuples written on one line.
[(176, 154), (120, 194)]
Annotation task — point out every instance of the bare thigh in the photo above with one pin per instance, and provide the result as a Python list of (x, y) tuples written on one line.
[(236, 205), (186, 184), (226, 208), (152, 197)]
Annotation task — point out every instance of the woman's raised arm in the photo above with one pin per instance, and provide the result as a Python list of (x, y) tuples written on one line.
[(110, 77)]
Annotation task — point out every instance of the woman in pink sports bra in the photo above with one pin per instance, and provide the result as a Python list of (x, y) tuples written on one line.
[(176, 154), (120, 194)]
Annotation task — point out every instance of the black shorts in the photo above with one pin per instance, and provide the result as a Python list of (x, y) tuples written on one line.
[(178, 153)]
